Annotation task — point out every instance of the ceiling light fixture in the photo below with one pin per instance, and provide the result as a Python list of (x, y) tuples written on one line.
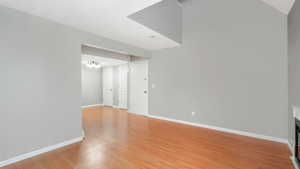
[(92, 64)]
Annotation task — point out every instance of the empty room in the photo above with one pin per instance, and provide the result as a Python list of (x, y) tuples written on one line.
[(150, 84)]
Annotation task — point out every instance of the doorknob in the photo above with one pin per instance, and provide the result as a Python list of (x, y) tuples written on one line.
[(145, 91)]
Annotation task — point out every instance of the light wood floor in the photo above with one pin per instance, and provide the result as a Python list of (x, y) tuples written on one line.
[(118, 140)]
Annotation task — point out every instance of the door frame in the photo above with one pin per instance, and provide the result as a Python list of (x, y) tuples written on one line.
[(127, 86)]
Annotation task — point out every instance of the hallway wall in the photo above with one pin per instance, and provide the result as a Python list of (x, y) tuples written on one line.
[(91, 86), (294, 65), (40, 81)]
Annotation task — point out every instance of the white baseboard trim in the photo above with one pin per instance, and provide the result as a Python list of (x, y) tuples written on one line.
[(291, 147), (132, 112), (92, 105), (40, 151), (243, 133), (294, 162), (119, 107), (83, 134)]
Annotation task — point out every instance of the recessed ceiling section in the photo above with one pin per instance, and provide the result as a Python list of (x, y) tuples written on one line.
[(107, 18), (148, 24), (164, 17)]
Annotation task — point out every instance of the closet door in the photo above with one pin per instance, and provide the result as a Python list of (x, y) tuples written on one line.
[(107, 86), (138, 102)]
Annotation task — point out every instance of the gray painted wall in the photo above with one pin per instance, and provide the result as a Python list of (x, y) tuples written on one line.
[(40, 72), (91, 86), (231, 68), (294, 63)]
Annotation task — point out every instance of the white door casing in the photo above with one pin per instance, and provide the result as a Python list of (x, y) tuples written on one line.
[(107, 79), (138, 102), (123, 76)]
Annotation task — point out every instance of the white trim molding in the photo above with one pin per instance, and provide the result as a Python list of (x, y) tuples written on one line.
[(294, 162), (291, 147), (119, 107), (243, 133), (40, 151), (92, 105)]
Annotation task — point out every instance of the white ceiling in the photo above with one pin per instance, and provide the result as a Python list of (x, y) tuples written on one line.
[(106, 18), (283, 6), (103, 61)]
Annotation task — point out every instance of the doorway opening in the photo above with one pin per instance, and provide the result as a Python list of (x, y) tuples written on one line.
[(113, 81), (104, 82)]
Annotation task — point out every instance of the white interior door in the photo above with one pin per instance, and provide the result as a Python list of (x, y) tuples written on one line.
[(123, 76), (139, 87), (107, 80)]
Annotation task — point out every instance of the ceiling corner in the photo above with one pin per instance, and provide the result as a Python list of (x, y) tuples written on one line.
[(284, 6)]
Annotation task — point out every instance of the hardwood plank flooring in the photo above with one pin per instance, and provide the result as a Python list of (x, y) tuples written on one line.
[(118, 140)]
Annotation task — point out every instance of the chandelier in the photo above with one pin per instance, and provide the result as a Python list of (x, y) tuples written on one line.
[(92, 64)]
